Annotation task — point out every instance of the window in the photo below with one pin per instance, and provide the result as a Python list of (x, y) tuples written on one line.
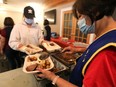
[(70, 28)]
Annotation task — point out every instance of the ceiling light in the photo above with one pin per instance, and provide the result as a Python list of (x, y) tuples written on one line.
[(3, 1)]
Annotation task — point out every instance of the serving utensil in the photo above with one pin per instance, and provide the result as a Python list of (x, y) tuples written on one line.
[(44, 56)]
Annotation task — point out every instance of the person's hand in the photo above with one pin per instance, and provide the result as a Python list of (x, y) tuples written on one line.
[(46, 74), (69, 50)]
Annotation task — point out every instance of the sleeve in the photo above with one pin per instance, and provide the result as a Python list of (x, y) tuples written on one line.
[(3, 33), (101, 71), (14, 40)]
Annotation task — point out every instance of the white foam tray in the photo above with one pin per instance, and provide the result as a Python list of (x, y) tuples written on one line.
[(50, 48), (34, 49), (28, 63)]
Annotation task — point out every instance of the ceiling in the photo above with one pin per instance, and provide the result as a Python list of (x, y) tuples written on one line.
[(18, 5)]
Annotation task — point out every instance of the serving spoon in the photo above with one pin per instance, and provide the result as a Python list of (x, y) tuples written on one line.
[(44, 56)]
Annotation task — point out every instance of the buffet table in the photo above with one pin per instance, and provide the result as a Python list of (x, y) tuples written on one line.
[(62, 67), (61, 43), (71, 43)]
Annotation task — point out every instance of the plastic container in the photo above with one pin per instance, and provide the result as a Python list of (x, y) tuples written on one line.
[(51, 46), (34, 59), (57, 69), (31, 49)]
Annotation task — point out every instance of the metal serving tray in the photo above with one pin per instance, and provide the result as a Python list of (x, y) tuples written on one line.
[(68, 62)]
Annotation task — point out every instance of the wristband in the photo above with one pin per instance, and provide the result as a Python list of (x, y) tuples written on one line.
[(54, 80)]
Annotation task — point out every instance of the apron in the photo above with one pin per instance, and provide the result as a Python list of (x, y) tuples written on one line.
[(106, 40)]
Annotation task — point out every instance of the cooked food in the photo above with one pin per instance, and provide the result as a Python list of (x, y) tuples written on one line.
[(31, 67), (30, 46), (28, 50), (44, 64), (68, 56), (52, 44), (32, 58)]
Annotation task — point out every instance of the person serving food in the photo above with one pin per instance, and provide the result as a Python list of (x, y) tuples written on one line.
[(97, 66)]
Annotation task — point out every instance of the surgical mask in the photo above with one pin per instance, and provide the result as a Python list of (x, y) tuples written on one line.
[(29, 21), (86, 29)]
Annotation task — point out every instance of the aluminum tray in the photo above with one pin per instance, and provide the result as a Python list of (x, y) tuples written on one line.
[(58, 66), (68, 62)]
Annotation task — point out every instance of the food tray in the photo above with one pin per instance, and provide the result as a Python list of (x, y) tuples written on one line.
[(58, 66), (51, 46), (31, 60), (62, 58), (57, 69), (31, 49)]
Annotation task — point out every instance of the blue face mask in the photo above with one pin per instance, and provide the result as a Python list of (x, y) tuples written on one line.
[(29, 21), (86, 29)]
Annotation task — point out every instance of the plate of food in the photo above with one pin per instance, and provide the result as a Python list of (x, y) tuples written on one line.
[(51, 46), (33, 62), (30, 49)]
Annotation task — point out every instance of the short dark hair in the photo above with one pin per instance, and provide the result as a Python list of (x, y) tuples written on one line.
[(46, 22), (95, 9), (8, 21)]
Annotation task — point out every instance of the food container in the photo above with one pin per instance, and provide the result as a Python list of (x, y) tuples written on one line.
[(31, 49), (58, 66), (66, 59), (32, 62), (80, 44), (51, 46), (65, 39), (57, 69)]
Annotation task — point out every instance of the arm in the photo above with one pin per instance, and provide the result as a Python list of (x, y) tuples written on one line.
[(2, 43), (71, 50), (14, 40), (51, 76)]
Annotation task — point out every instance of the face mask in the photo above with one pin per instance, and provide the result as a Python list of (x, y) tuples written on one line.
[(29, 21), (86, 29)]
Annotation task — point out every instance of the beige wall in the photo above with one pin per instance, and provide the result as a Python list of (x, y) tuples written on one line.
[(57, 27), (17, 17)]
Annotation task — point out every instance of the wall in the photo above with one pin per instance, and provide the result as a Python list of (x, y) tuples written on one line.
[(17, 17), (57, 27)]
